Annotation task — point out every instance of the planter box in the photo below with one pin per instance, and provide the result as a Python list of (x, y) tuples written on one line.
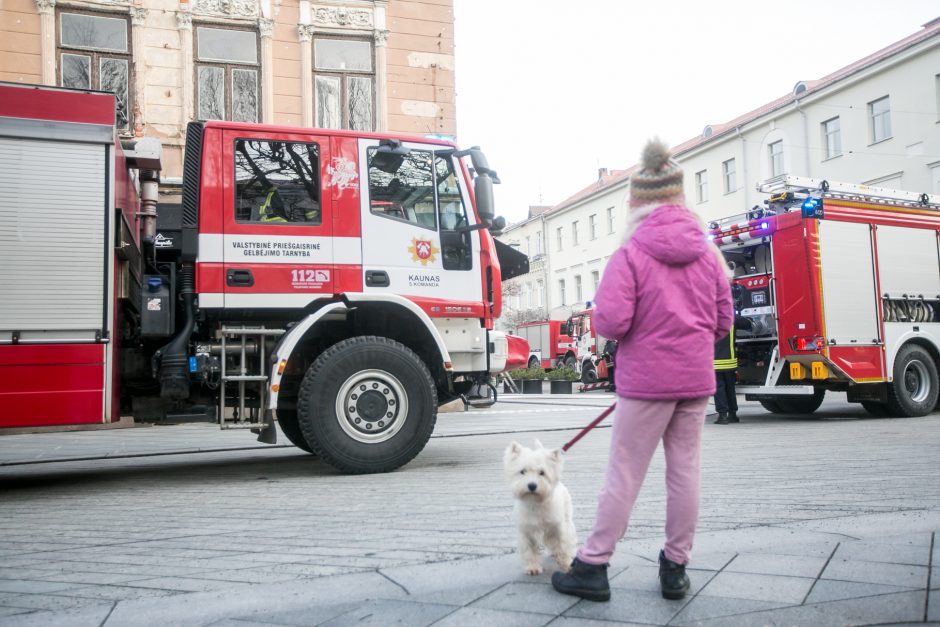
[(530, 386), (561, 387)]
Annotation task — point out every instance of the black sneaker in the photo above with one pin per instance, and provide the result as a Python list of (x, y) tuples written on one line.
[(733, 417), (722, 419), (672, 578), (583, 580)]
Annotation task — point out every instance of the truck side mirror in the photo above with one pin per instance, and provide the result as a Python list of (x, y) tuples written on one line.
[(483, 190)]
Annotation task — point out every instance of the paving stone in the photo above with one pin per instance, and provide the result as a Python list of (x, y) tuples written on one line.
[(877, 572), (922, 539), (769, 564), (13, 611), (567, 621), (775, 588), (33, 586), (52, 602), (85, 617), (637, 606), (117, 593), (933, 607), (705, 607), (830, 590), (382, 612), (527, 597), (904, 607), (475, 616), (646, 577), (878, 552), (189, 584), (95, 578)]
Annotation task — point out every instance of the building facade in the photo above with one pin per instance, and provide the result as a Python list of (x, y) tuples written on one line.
[(385, 65), (876, 122)]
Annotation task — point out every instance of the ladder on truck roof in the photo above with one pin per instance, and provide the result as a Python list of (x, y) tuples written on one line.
[(851, 191)]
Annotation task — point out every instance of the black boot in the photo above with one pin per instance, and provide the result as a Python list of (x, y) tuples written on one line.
[(733, 417), (722, 419), (672, 578), (583, 580)]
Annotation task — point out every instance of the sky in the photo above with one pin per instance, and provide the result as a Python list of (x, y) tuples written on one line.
[(552, 91)]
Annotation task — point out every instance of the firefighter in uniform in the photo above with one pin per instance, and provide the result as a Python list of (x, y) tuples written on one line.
[(726, 367), (272, 209)]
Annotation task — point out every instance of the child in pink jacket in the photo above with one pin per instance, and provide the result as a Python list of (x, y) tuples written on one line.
[(666, 299)]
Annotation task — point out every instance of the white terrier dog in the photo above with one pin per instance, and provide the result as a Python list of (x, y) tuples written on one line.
[(543, 505)]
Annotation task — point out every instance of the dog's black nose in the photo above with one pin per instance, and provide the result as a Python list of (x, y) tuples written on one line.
[(532, 487)]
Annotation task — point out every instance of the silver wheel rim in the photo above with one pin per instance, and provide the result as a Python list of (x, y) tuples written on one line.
[(371, 406), (916, 381)]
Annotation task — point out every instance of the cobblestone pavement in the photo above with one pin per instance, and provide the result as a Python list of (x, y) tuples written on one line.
[(826, 520)]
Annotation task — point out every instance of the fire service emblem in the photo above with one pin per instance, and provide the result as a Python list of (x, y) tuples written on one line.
[(422, 250)]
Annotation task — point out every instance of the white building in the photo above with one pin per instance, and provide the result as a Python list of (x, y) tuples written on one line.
[(876, 121)]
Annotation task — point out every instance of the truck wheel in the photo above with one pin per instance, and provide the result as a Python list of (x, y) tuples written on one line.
[(801, 404), (588, 374), (914, 390), (876, 409), (367, 404), (571, 362), (771, 406), (287, 421), (533, 362)]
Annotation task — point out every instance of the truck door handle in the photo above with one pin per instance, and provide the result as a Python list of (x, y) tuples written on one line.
[(239, 278), (377, 278)]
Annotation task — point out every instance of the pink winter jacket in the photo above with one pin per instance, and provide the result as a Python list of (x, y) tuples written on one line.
[(666, 300)]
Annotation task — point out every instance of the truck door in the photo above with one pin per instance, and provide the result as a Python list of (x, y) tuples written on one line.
[(415, 243), (277, 245)]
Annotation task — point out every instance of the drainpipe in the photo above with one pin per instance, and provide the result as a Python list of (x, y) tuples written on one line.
[(747, 184)]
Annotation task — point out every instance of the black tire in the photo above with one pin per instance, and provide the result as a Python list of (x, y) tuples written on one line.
[(570, 362), (771, 406), (588, 374), (533, 362), (801, 404), (287, 421), (876, 409), (347, 396), (914, 390)]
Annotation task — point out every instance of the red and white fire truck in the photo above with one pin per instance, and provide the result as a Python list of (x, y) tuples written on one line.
[(841, 285), (571, 343), (342, 283)]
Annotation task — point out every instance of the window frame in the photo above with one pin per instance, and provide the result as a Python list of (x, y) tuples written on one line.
[(96, 55), (561, 292), (559, 235), (729, 175), (827, 134), (701, 186), (228, 68), (595, 280), (776, 158), (592, 226), (578, 288), (574, 233), (343, 76), (882, 115), (610, 220)]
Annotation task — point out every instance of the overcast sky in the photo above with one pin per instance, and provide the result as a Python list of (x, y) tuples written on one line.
[(554, 90)]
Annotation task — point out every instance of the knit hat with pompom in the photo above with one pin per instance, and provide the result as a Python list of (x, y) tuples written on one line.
[(659, 177)]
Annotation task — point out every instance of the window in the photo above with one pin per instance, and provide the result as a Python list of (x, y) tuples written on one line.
[(559, 236), (595, 279), (775, 151), (405, 188), (561, 291), (610, 219), (277, 182), (531, 295), (343, 83), (94, 53), (578, 295), (592, 224), (528, 246), (227, 74), (541, 293), (728, 170), (880, 113), (574, 233), (538, 242), (701, 186), (832, 138)]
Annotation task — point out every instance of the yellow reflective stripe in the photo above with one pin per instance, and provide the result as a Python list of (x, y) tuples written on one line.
[(263, 211)]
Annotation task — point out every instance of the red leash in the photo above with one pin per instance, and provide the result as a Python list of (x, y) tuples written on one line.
[(584, 431)]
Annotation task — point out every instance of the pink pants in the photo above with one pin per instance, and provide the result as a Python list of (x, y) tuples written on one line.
[(639, 425)]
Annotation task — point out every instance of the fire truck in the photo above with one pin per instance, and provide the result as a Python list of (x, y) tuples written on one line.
[(839, 285), (571, 343), (344, 284)]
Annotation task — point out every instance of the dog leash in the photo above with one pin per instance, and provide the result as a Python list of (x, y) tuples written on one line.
[(584, 431)]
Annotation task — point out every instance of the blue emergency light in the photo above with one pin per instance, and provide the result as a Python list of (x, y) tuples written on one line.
[(812, 207)]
